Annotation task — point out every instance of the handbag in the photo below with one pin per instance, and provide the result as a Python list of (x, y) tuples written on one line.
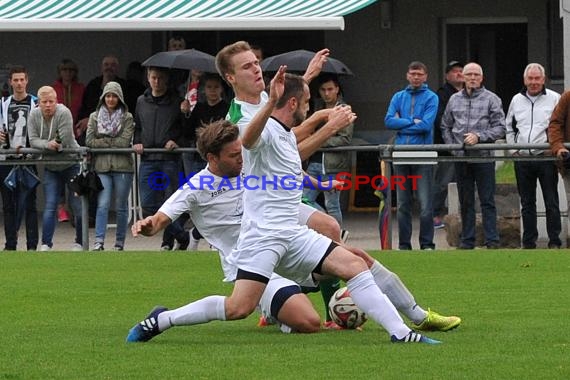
[(21, 178)]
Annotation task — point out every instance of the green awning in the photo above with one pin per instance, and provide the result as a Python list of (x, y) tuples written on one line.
[(63, 15)]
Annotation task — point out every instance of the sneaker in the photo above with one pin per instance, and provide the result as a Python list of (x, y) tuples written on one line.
[(414, 337), (118, 248), (438, 223), (263, 322), (62, 214), (193, 245), (344, 234), (436, 322), (45, 248), (76, 247), (493, 245), (165, 247), (98, 247), (146, 329), (331, 325)]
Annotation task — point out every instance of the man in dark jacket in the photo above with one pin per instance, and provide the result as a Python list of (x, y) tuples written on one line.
[(444, 172), (158, 124)]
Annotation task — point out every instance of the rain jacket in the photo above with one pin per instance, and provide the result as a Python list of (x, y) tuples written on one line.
[(527, 121), (112, 162), (480, 113), (410, 104)]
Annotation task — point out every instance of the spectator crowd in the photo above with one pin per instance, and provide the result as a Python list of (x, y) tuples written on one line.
[(162, 108)]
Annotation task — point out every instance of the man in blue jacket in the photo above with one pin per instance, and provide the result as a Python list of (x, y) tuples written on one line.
[(411, 114)]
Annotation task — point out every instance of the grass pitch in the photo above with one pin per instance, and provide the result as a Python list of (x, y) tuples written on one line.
[(66, 316)]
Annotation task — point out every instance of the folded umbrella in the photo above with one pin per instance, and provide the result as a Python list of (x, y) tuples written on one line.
[(86, 183)]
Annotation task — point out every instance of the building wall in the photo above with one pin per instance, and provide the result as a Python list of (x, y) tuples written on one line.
[(41, 52), (379, 57)]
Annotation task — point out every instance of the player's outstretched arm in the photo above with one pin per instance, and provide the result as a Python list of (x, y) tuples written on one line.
[(150, 225), (316, 65), (307, 127), (255, 127), (341, 117)]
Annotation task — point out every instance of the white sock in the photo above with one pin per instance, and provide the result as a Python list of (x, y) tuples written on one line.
[(399, 295), (205, 310), (370, 299)]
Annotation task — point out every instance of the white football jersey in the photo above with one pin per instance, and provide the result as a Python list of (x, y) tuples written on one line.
[(216, 208), (273, 178)]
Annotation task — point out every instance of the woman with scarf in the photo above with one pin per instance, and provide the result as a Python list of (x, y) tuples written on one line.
[(112, 126)]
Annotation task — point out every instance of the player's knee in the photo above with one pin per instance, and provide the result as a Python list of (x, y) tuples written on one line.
[(238, 310), (310, 324), (325, 225)]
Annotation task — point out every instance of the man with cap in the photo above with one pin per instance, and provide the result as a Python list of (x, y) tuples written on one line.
[(444, 172)]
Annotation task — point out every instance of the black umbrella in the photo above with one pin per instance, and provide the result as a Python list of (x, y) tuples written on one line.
[(183, 59), (298, 60)]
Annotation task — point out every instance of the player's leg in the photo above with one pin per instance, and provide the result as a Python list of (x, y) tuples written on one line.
[(391, 285), (309, 252), (319, 221), (245, 296), (325, 225), (283, 302), (367, 295)]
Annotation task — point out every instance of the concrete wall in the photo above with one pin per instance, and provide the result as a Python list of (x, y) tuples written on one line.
[(379, 57), (41, 52)]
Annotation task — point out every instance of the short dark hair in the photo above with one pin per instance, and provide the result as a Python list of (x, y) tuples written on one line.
[(159, 69), (294, 88), (417, 65), (17, 70), (214, 136)]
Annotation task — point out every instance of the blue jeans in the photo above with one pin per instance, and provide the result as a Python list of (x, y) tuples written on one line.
[(11, 224), (481, 175), (54, 182), (404, 193), (116, 185), (527, 173), (193, 163), (332, 197), (154, 191)]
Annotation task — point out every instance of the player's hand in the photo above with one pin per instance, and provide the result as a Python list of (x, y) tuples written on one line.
[(277, 85), (3, 137), (142, 227), (316, 65), (341, 117)]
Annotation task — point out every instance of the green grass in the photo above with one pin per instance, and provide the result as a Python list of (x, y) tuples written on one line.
[(506, 173), (65, 316)]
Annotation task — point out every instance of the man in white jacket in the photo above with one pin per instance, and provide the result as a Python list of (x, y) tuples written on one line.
[(527, 123)]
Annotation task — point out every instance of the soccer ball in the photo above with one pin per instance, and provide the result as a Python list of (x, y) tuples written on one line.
[(343, 310)]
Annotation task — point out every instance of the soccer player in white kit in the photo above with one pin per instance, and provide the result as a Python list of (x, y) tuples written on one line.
[(213, 197), (270, 237)]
